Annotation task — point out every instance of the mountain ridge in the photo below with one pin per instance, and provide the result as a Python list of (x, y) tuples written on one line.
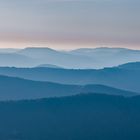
[(114, 77), (17, 89)]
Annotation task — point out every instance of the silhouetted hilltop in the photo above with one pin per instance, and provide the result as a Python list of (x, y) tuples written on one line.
[(35, 52), (131, 66), (48, 66)]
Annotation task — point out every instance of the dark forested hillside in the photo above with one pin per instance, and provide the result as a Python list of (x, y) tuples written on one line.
[(81, 117)]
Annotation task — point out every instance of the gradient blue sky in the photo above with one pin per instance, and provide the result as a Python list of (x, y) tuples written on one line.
[(70, 23)]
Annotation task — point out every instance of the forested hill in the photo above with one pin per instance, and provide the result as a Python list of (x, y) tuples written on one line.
[(81, 117)]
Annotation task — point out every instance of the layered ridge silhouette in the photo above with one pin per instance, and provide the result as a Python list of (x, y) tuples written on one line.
[(18, 89), (126, 77), (79, 58)]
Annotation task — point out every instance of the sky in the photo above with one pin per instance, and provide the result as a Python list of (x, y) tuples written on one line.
[(68, 24)]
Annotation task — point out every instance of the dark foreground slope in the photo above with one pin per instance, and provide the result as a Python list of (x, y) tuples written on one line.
[(82, 117), (12, 88)]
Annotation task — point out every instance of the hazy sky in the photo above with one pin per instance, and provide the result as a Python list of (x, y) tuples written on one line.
[(70, 23)]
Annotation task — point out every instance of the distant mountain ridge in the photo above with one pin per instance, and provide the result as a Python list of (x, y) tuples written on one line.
[(84, 58), (55, 57)]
